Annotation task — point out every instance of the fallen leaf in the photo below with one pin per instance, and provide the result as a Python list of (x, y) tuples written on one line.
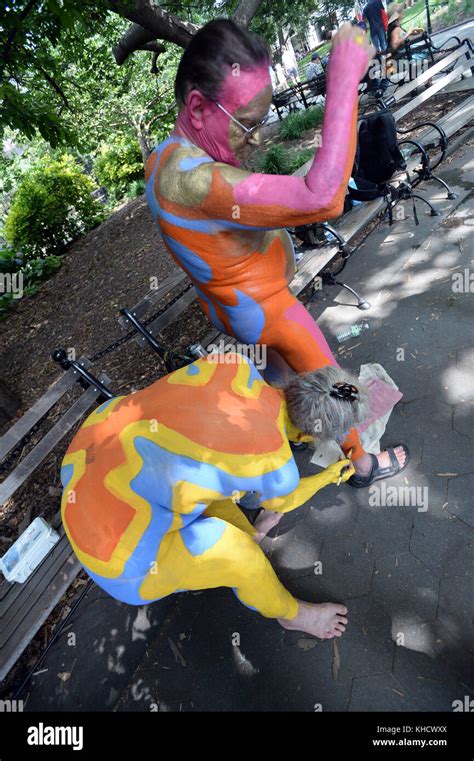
[(307, 643)]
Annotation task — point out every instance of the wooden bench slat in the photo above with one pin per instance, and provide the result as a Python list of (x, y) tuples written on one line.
[(11, 587), (13, 436), (426, 95), (21, 597), (167, 317), (34, 458), (155, 295), (405, 90), (30, 614), (451, 122)]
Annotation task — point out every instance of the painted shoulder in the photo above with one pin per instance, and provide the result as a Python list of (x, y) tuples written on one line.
[(183, 173)]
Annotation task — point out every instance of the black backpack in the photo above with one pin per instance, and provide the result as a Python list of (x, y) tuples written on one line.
[(378, 156), (377, 159)]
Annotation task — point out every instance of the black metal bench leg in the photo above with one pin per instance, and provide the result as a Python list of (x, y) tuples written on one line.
[(361, 303), (434, 213), (451, 194), (329, 279)]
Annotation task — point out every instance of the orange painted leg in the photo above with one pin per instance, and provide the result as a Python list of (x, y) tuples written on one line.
[(294, 334)]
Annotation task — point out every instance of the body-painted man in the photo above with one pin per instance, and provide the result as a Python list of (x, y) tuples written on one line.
[(151, 479), (226, 226)]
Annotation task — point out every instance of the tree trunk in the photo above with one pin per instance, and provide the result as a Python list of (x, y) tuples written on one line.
[(246, 11), (150, 23), (136, 38), (281, 40), (144, 144)]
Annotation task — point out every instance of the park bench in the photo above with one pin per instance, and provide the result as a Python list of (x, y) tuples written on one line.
[(404, 86), (286, 100), (300, 94), (25, 607), (424, 45)]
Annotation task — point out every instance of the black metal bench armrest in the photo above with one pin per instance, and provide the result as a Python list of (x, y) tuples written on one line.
[(443, 143)]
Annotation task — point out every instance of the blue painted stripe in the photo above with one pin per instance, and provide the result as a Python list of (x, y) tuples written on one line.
[(212, 311), (208, 226), (196, 266), (202, 534), (191, 162), (247, 318)]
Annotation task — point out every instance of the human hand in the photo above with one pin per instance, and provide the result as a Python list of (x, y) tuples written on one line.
[(340, 471), (355, 44)]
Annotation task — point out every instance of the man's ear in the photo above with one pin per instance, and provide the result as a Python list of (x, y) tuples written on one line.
[(195, 105)]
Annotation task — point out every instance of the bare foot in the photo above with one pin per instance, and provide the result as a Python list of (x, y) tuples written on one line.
[(264, 523), (325, 620), (364, 464)]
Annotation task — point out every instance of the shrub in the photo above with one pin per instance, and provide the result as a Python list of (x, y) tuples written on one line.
[(135, 189), (275, 161), (298, 158), (32, 272), (279, 160), (117, 165), (295, 125), (52, 206)]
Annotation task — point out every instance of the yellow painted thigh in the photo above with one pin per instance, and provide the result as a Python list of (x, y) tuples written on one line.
[(234, 560), (228, 511)]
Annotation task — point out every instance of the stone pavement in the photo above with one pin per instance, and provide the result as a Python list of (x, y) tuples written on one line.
[(403, 570)]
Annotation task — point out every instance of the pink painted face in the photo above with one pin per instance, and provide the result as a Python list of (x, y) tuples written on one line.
[(247, 96)]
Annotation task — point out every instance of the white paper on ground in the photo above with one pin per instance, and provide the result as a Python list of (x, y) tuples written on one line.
[(384, 395)]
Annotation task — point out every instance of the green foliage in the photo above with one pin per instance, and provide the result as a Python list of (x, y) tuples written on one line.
[(10, 260), (27, 275), (135, 189), (31, 72), (295, 125), (52, 205), (298, 158), (275, 161), (118, 164), (279, 160)]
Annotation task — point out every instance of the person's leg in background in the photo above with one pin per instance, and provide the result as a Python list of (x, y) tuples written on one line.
[(377, 34)]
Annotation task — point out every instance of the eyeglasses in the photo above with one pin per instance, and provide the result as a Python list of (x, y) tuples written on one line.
[(248, 130)]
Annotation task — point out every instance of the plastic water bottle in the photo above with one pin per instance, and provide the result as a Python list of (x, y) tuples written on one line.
[(352, 332), (28, 551)]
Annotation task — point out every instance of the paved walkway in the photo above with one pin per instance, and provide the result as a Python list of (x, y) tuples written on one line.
[(404, 571)]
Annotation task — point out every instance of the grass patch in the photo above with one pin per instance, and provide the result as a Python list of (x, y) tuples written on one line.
[(295, 125), (281, 160)]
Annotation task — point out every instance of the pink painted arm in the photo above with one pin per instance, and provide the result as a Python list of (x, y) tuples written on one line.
[(273, 201)]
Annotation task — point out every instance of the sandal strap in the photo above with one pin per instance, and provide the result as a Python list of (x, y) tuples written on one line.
[(393, 458)]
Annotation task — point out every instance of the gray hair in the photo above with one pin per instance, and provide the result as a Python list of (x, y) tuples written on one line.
[(314, 411)]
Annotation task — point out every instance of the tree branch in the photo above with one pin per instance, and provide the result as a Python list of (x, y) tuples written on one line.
[(9, 41), (51, 81), (155, 118), (136, 38), (158, 23)]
